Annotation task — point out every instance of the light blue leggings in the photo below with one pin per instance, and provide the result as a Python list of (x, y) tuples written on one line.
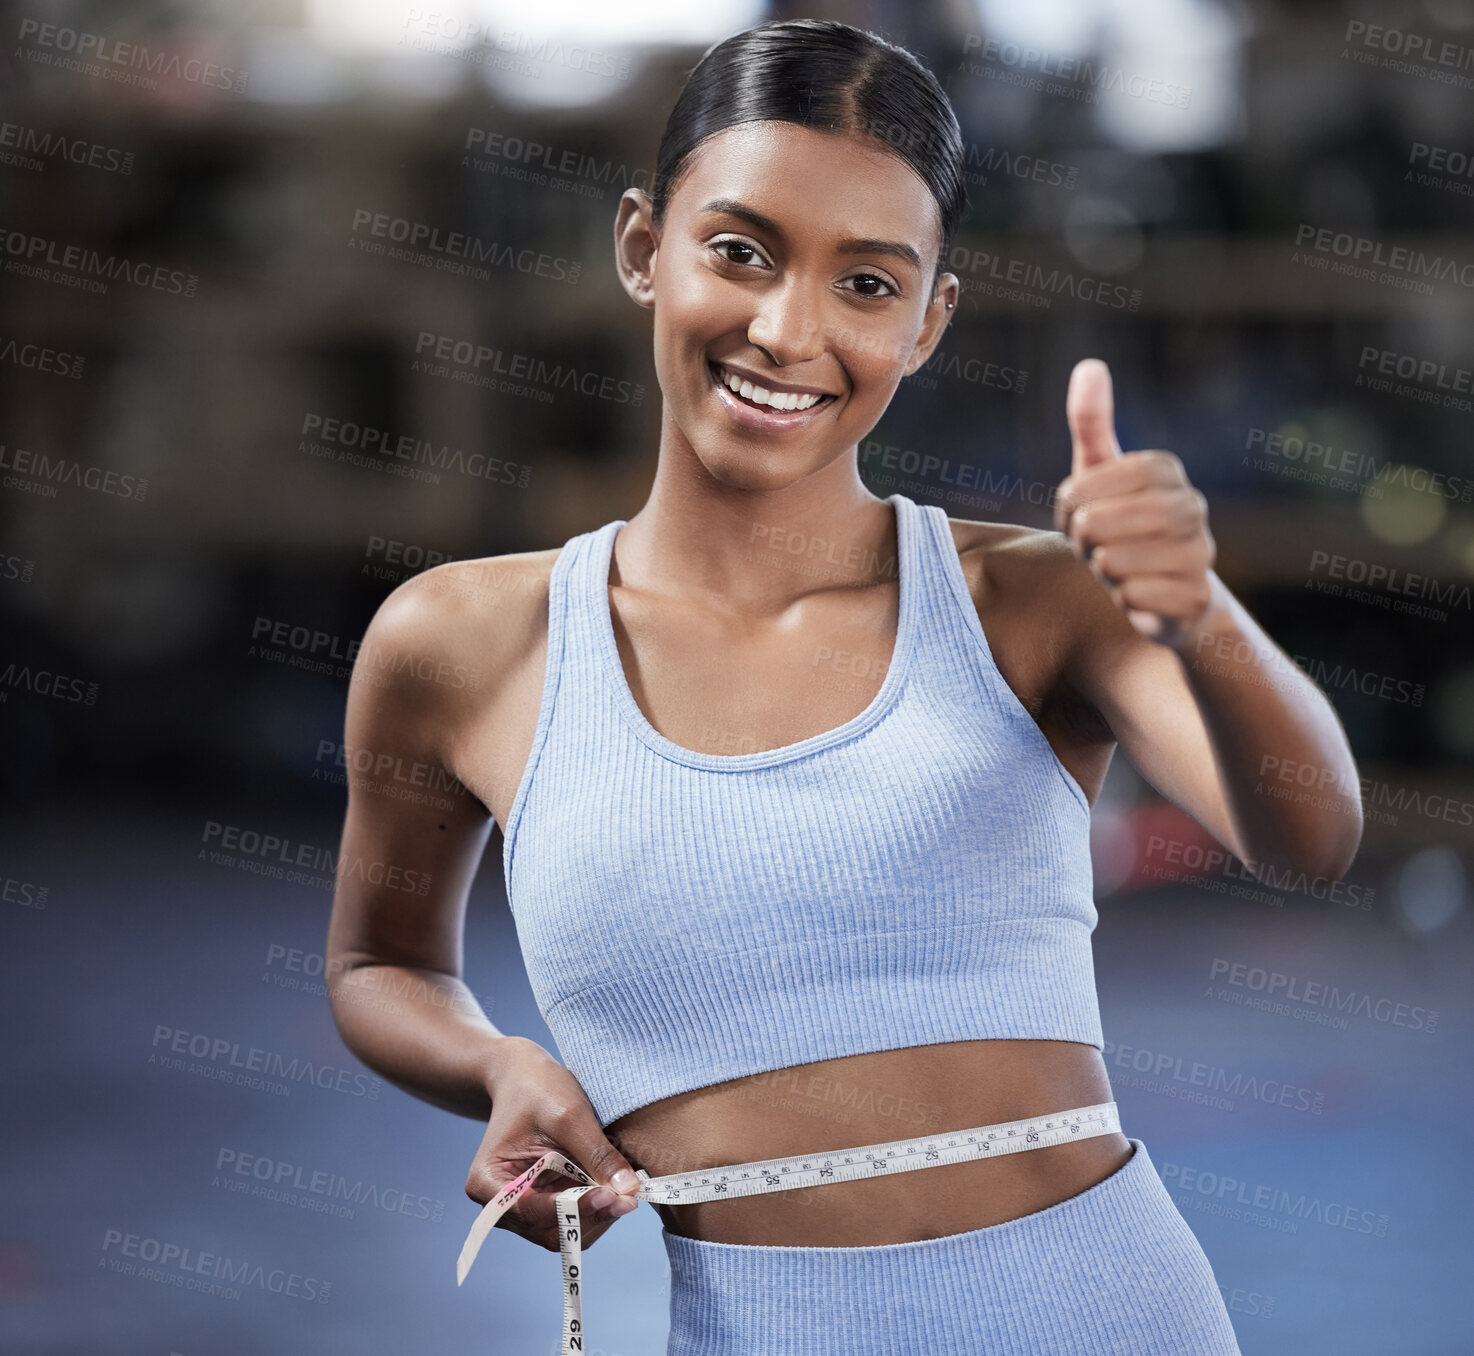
[(1114, 1270)]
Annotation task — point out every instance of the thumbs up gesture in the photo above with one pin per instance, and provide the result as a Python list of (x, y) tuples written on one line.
[(1133, 517)]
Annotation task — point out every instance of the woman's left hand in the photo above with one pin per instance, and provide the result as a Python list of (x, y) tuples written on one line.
[(1135, 518)]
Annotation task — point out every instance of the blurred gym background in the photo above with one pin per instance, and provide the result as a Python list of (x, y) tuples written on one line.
[(301, 296)]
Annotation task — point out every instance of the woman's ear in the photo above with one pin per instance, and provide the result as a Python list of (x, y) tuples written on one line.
[(636, 243), (939, 311)]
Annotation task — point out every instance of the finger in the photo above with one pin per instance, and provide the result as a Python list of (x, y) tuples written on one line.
[(1065, 503), (536, 1219), (1090, 411), (1145, 513), (537, 1216), (1175, 598), (1153, 627), (1130, 471), (583, 1139), (1119, 559), (511, 1200)]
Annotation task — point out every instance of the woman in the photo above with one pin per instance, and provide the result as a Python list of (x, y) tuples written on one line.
[(774, 901)]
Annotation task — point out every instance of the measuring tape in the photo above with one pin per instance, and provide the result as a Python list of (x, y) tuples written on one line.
[(771, 1174)]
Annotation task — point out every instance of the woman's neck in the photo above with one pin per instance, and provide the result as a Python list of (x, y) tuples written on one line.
[(699, 534)]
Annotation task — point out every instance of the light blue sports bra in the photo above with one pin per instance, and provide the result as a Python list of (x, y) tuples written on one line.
[(919, 874)]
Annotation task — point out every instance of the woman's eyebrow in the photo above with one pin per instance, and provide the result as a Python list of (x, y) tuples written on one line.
[(849, 245)]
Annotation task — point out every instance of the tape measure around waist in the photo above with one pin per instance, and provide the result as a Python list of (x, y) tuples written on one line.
[(771, 1174)]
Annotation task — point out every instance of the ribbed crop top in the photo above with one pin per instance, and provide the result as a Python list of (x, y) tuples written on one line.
[(916, 875)]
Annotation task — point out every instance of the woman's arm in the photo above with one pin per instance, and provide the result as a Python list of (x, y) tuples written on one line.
[(406, 863), (1201, 700), (431, 661)]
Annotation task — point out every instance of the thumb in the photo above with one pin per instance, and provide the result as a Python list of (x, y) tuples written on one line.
[(599, 1157), (1090, 409)]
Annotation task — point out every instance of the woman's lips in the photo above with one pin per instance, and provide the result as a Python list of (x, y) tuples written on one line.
[(760, 417)]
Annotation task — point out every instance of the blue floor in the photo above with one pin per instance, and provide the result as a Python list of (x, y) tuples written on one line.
[(133, 1177)]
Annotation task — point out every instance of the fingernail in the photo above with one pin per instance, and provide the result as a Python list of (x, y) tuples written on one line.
[(601, 1199), (623, 1205), (624, 1180)]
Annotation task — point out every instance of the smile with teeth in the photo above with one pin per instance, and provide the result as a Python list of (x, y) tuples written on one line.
[(758, 395)]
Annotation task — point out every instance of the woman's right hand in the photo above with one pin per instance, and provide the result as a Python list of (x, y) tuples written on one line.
[(537, 1105)]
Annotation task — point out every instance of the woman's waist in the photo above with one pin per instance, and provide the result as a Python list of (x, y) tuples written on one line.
[(882, 1097)]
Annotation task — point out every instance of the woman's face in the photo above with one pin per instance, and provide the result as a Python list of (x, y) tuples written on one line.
[(791, 255)]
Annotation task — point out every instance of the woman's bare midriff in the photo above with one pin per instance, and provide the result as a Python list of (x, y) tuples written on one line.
[(873, 1099)]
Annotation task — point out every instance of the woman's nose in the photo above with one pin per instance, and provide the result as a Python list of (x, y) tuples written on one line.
[(789, 325)]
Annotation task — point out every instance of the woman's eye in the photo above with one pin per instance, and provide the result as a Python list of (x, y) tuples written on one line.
[(723, 245), (870, 279)]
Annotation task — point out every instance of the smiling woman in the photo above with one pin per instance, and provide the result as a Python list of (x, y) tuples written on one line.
[(828, 269), (883, 899)]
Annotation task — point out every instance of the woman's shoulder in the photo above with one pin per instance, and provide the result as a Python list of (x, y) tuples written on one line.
[(464, 622), (1011, 562), (1032, 590)]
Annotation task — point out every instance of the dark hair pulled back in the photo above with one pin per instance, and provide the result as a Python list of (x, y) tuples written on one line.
[(829, 76)]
